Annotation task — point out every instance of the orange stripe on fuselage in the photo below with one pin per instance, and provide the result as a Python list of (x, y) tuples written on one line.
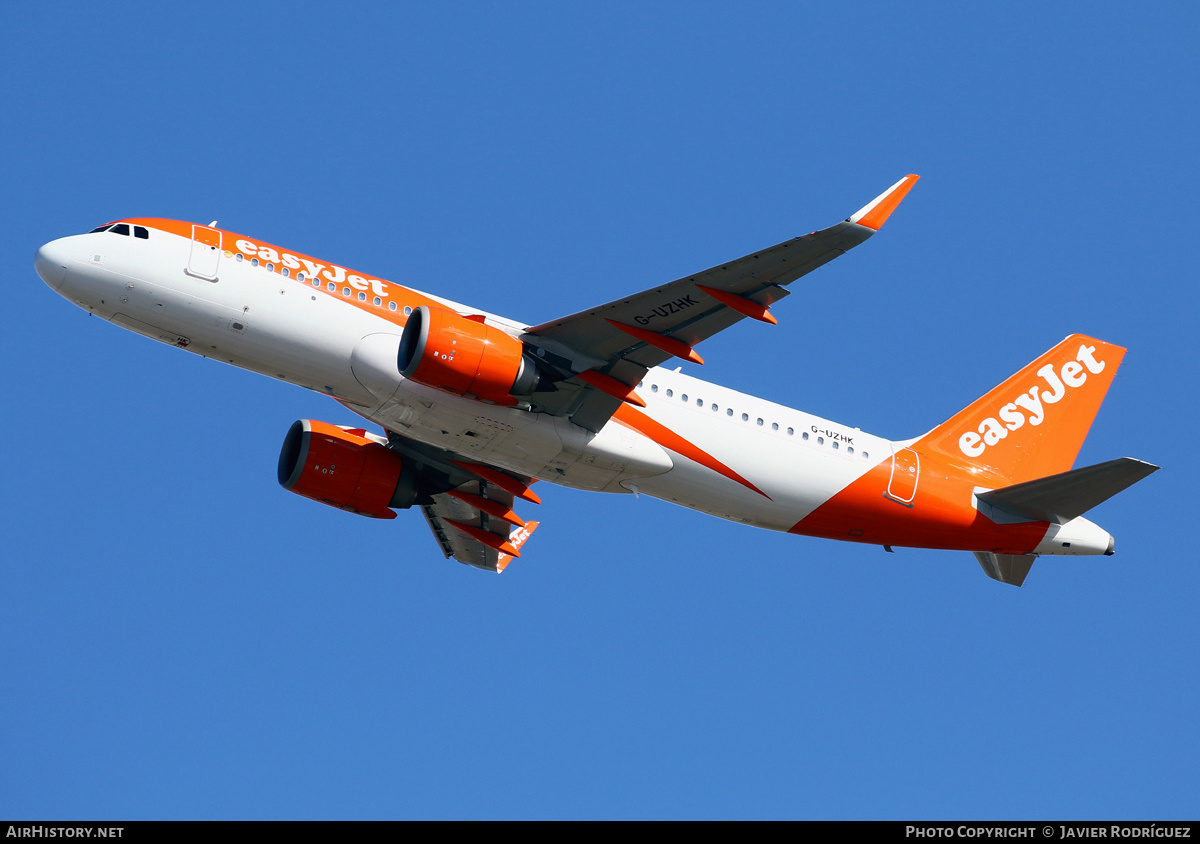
[(402, 296), (1030, 426), (664, 436), (941, 514)]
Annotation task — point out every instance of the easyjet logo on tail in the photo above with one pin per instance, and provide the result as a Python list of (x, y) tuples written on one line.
[(1032, 405)]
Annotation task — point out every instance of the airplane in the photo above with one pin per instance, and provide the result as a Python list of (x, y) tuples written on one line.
[(475, 407)]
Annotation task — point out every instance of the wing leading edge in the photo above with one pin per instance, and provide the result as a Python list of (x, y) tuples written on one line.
[(622, 339)]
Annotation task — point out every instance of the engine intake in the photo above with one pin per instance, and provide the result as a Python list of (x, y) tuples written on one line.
[(345, 468), (465, 356)]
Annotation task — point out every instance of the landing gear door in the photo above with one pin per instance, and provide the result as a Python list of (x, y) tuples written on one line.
[(906, 470), (205, 257)]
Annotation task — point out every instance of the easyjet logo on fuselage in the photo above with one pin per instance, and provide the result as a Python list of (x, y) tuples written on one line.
[(1031, 405), (332, 273)]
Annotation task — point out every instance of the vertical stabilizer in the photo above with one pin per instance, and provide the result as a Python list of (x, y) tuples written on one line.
[(1034, 423)]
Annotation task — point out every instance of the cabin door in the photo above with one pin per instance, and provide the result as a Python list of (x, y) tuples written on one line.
[(206, 253), (906, 469)]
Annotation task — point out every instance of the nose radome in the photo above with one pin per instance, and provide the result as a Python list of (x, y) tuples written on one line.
[(51, 263)]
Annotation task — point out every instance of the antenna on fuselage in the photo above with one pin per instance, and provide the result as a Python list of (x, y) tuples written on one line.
[(213, 224)]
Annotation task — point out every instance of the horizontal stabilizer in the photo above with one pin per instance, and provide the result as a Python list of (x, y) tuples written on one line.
[(1062, 497), (1007, 568)]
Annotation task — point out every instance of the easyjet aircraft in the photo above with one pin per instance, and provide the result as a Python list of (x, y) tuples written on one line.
[(475, 407)]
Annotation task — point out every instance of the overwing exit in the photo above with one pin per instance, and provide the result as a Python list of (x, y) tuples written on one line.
[(475, 408)]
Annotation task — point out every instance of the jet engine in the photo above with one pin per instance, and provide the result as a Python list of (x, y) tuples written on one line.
[(465, 356), (346, 468)]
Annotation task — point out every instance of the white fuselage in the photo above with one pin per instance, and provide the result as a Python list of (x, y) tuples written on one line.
[(282, 327), (693, 443)]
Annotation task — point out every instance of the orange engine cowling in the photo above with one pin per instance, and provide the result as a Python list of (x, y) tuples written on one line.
[(464, 356), (346, 468)]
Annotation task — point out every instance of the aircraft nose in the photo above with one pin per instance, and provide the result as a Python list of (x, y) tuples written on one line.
[(51, 263)]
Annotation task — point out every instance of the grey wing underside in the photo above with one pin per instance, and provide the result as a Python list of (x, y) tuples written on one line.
[(681, 311), (458, 545), (443, 509)]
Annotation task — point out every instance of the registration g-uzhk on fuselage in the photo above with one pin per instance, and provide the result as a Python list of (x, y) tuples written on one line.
[(475, 407)]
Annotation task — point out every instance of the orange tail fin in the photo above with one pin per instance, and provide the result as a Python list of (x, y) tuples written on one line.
[(1034, 423)]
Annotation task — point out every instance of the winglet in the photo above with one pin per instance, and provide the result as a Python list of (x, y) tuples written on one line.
[(875, 213)]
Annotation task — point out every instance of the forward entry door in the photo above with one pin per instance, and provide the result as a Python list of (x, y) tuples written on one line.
[(206, 253)]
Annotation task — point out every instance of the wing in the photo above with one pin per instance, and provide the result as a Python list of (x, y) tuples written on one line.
[(469, 506), (604, 352), (475, 524)]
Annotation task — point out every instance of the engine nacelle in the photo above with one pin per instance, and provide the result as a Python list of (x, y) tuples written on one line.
[(464, 356), (345, 468)]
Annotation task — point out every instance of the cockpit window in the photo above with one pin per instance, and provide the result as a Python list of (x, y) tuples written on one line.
[(123, 228)]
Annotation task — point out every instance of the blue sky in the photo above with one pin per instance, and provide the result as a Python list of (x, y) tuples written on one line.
[(180, 638)]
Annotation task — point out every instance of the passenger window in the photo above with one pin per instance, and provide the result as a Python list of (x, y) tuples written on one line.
[(254, 262), (745, 417), (407, 310)]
